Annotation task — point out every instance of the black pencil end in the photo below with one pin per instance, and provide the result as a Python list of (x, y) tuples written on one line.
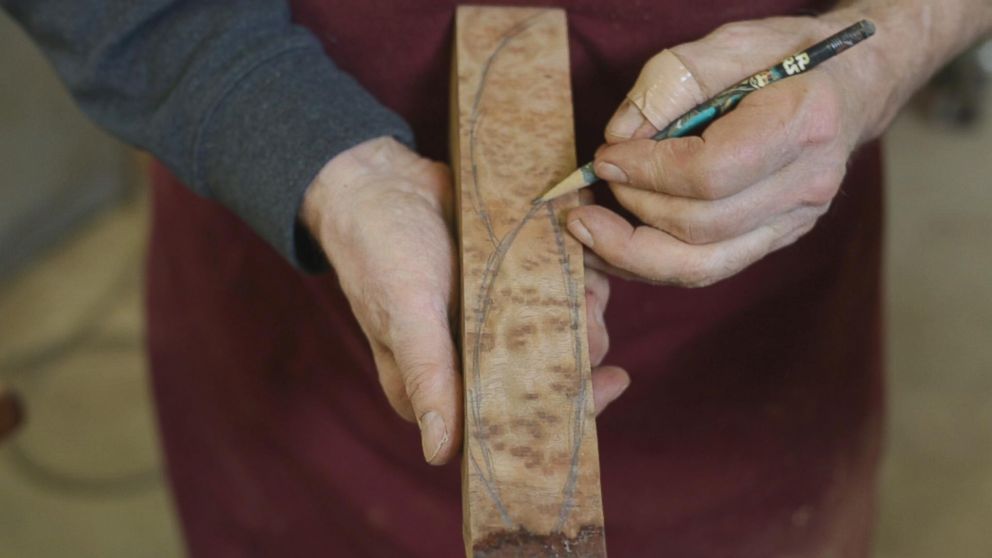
[(868, 27)]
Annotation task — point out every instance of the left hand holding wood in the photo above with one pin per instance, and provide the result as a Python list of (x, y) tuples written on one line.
[(382, 215)]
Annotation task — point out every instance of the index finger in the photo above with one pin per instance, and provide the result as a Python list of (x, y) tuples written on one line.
[(664, 89)]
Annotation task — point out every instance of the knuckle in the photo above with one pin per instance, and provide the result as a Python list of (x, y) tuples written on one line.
[(675, 157), (797, 233), (655, 168), (727, 30), (620, 257), (821, 190), (697, 272), (822, 210), (697, 281), (418, 378), (813, 215), (718, 230), (705, 174), (804, 221), (691, 231), (369, 309), (806, 227), (735, 32), (730, 37)]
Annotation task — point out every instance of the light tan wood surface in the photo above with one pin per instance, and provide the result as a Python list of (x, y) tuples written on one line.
[(531, 464)]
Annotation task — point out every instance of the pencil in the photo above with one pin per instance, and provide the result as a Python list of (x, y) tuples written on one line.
[(697, 119)]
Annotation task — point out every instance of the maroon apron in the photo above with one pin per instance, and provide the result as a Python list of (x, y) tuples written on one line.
[(752, 426)]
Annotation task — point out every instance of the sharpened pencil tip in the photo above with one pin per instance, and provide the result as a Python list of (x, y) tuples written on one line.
[(581, 178)]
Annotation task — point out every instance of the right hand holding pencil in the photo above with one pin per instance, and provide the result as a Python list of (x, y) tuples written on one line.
[(758, 178)]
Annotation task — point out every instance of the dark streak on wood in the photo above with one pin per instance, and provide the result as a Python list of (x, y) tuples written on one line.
[(524, 544)]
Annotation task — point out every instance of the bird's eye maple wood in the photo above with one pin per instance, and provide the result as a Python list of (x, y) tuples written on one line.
[(531, 464)]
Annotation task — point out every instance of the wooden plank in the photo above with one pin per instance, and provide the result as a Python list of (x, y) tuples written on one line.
[(531, 464)]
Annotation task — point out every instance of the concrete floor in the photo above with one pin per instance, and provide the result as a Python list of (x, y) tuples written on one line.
[(83, 477), (937, 482)]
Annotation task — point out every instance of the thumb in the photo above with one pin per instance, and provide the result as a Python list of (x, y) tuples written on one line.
[(425, 355)]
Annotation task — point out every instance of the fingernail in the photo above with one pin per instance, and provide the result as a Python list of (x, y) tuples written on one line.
[(433, 435), (579, 231), (611, 173), (625, 122)]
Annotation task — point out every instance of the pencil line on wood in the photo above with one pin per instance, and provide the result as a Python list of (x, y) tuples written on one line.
[(493, 263), (483, 305), (476, 117), (579, 402)]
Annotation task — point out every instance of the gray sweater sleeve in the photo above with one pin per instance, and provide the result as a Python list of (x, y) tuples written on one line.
[(238, 102)]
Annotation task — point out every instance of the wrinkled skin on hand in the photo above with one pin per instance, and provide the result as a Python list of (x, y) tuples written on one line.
[(758, 178), (383, 216)]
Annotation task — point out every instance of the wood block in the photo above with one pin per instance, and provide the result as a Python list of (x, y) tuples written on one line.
[(531, 465)]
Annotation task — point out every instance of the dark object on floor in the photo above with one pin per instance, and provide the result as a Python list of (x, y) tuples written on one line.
[(955, 96), (11, 412)]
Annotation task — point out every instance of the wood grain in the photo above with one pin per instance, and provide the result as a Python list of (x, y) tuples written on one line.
[(531, 464)]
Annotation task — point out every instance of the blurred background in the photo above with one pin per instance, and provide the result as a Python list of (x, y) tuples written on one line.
[(83, 476)]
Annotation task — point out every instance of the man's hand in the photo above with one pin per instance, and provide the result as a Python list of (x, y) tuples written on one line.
[(383, 215), (757, 179), (761, 176)]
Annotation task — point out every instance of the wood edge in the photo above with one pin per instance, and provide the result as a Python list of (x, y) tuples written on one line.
[(454, 153)]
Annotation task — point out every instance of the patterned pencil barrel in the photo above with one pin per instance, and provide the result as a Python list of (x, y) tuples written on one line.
[(836, 44), (694, 121), (697, 119)]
